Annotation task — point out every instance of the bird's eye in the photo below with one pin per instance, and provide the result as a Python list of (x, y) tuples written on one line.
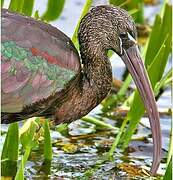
[(123, 35)]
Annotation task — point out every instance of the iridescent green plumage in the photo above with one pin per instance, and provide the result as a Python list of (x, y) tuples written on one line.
[(34, 66), (35, 63)]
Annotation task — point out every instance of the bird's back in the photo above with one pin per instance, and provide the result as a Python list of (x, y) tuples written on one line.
[(37, 61)]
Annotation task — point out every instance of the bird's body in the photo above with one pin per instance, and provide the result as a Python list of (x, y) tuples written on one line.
[(42, 74), (38, 78)]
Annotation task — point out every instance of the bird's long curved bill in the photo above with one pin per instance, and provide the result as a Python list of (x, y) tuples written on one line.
[(135, 66)]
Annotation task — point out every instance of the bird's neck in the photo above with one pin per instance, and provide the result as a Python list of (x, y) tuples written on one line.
[(97, 72), (91, 87)]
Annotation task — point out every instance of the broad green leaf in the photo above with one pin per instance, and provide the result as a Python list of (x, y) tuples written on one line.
[(47, 142), (155, 73), (54, 9), (27, 7), (9, 155)]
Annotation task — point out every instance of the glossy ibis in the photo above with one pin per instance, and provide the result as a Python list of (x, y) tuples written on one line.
[(42, 74)]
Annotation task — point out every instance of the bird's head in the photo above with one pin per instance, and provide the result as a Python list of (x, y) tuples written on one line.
[(108, 27)]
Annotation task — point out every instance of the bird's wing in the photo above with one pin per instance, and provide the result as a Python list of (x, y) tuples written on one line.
[(37, 61)]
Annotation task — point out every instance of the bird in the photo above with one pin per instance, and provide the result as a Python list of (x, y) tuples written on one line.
[(43, 75)]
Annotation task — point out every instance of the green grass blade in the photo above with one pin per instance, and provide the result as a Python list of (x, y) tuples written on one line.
[(36, 15), (159, 32), (20, 172), (110, 102), (168, 174), (165, 81), (10, 148), (85, 9), (98, 122), (2, 3), (117, 139), (16, 5), (163, 7), (130, 6), (155, 73), (27, 7), (9, 155), (125, 85), (170, 151), (47, 142), (133, 11), (153, 39), (54, 9)]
